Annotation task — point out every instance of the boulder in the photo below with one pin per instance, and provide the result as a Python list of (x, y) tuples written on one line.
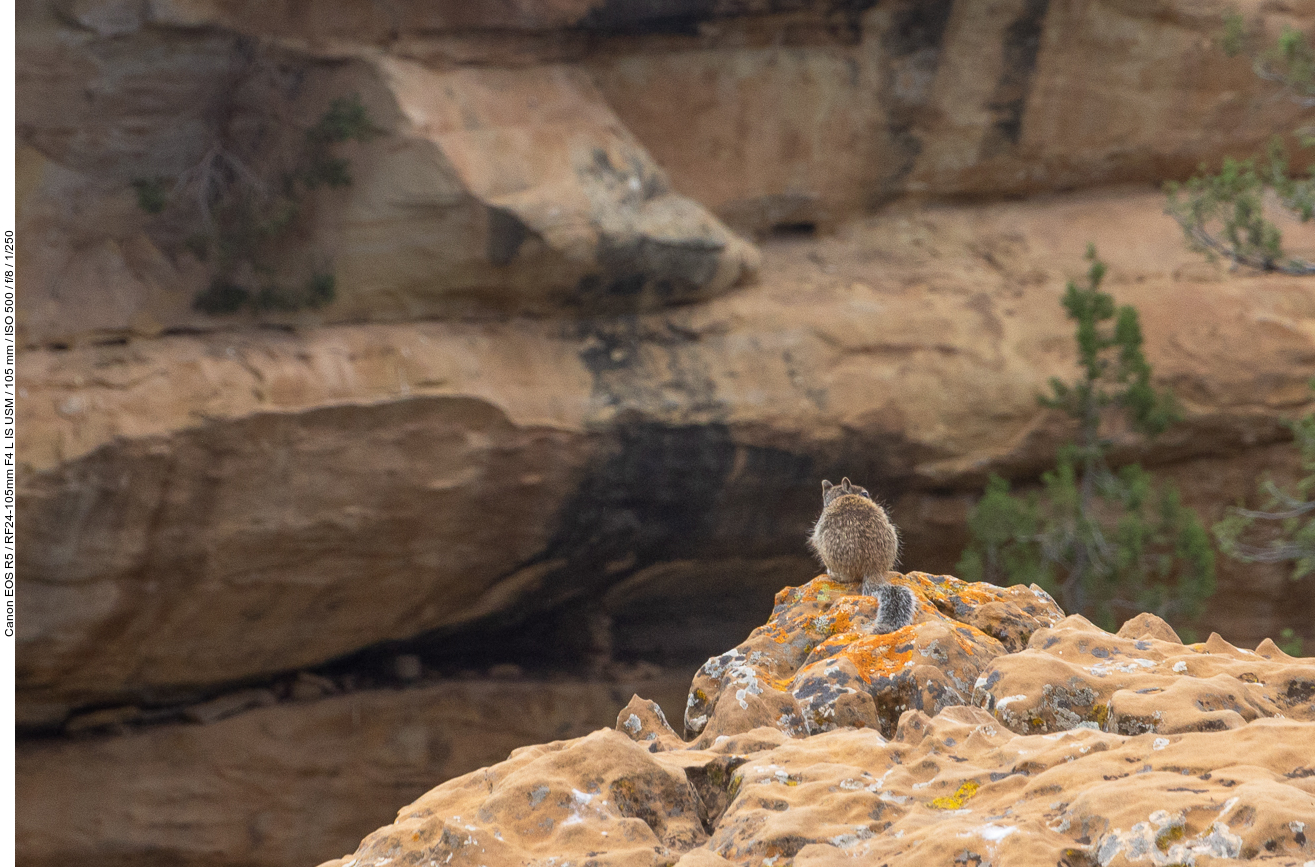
[(512, 191), (545, 801), (817, 664)]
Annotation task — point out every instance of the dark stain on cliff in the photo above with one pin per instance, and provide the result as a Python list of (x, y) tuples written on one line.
[(675, 17), (643, 273), (652, 498), (646, 364), (913, 43), (1022, 44), (916, 26), (506, 235), (636, 272)]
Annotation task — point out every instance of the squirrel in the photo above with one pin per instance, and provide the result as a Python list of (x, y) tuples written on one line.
[(858, 545)]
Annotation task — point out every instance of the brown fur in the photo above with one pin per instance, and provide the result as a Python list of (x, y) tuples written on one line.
[(854, 537)]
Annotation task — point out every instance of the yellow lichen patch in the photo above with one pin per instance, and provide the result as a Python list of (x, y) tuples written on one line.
[(842, 616), (1101, 713), (969, 637), (958, 799), (835, 644), (1169, 836)]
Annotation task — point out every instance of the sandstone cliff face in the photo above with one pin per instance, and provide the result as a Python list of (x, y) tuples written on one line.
[(185, 533), (536, 157)]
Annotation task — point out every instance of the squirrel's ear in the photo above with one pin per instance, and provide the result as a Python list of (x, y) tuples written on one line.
[(826, 486), (844, 483)]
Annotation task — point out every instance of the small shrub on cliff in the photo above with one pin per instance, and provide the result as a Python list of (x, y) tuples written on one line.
[(245, 214), (1107, 543), (1283, 531), (1223, 214), (152, 194)]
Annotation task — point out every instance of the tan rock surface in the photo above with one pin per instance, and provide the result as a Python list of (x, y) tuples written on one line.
[(487, 190), (513, 190), (217, 561), (779, 113), (286, 785), (941, 99), (539, 155), (965, 785), (1142, 680), (905, 352)]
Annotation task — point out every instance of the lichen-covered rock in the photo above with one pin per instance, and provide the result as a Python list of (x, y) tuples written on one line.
[(954, 788), (643, 720), (1142, 680), (818, 663), (1078, 767)]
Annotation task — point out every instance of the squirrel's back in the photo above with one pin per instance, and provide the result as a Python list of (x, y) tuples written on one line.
[(854, 537)]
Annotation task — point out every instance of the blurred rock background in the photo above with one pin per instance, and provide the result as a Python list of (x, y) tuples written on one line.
[(614, 284)]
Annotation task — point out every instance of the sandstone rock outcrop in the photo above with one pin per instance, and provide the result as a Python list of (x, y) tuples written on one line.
[(818, 664), (964, 784), (210, 503), (1142, 680)]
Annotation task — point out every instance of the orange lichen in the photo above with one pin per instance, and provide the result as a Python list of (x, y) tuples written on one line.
[(776, 632), (949, 588), (876, 656)]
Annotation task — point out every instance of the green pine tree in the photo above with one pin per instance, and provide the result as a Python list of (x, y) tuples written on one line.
[(1106, 543), (1223, 214)]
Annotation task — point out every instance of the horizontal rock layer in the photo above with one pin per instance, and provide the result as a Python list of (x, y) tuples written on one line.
[(541, 157), (291, 784), (182, 492)]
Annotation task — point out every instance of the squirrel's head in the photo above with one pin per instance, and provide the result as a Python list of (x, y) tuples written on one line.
[(830, 491)]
